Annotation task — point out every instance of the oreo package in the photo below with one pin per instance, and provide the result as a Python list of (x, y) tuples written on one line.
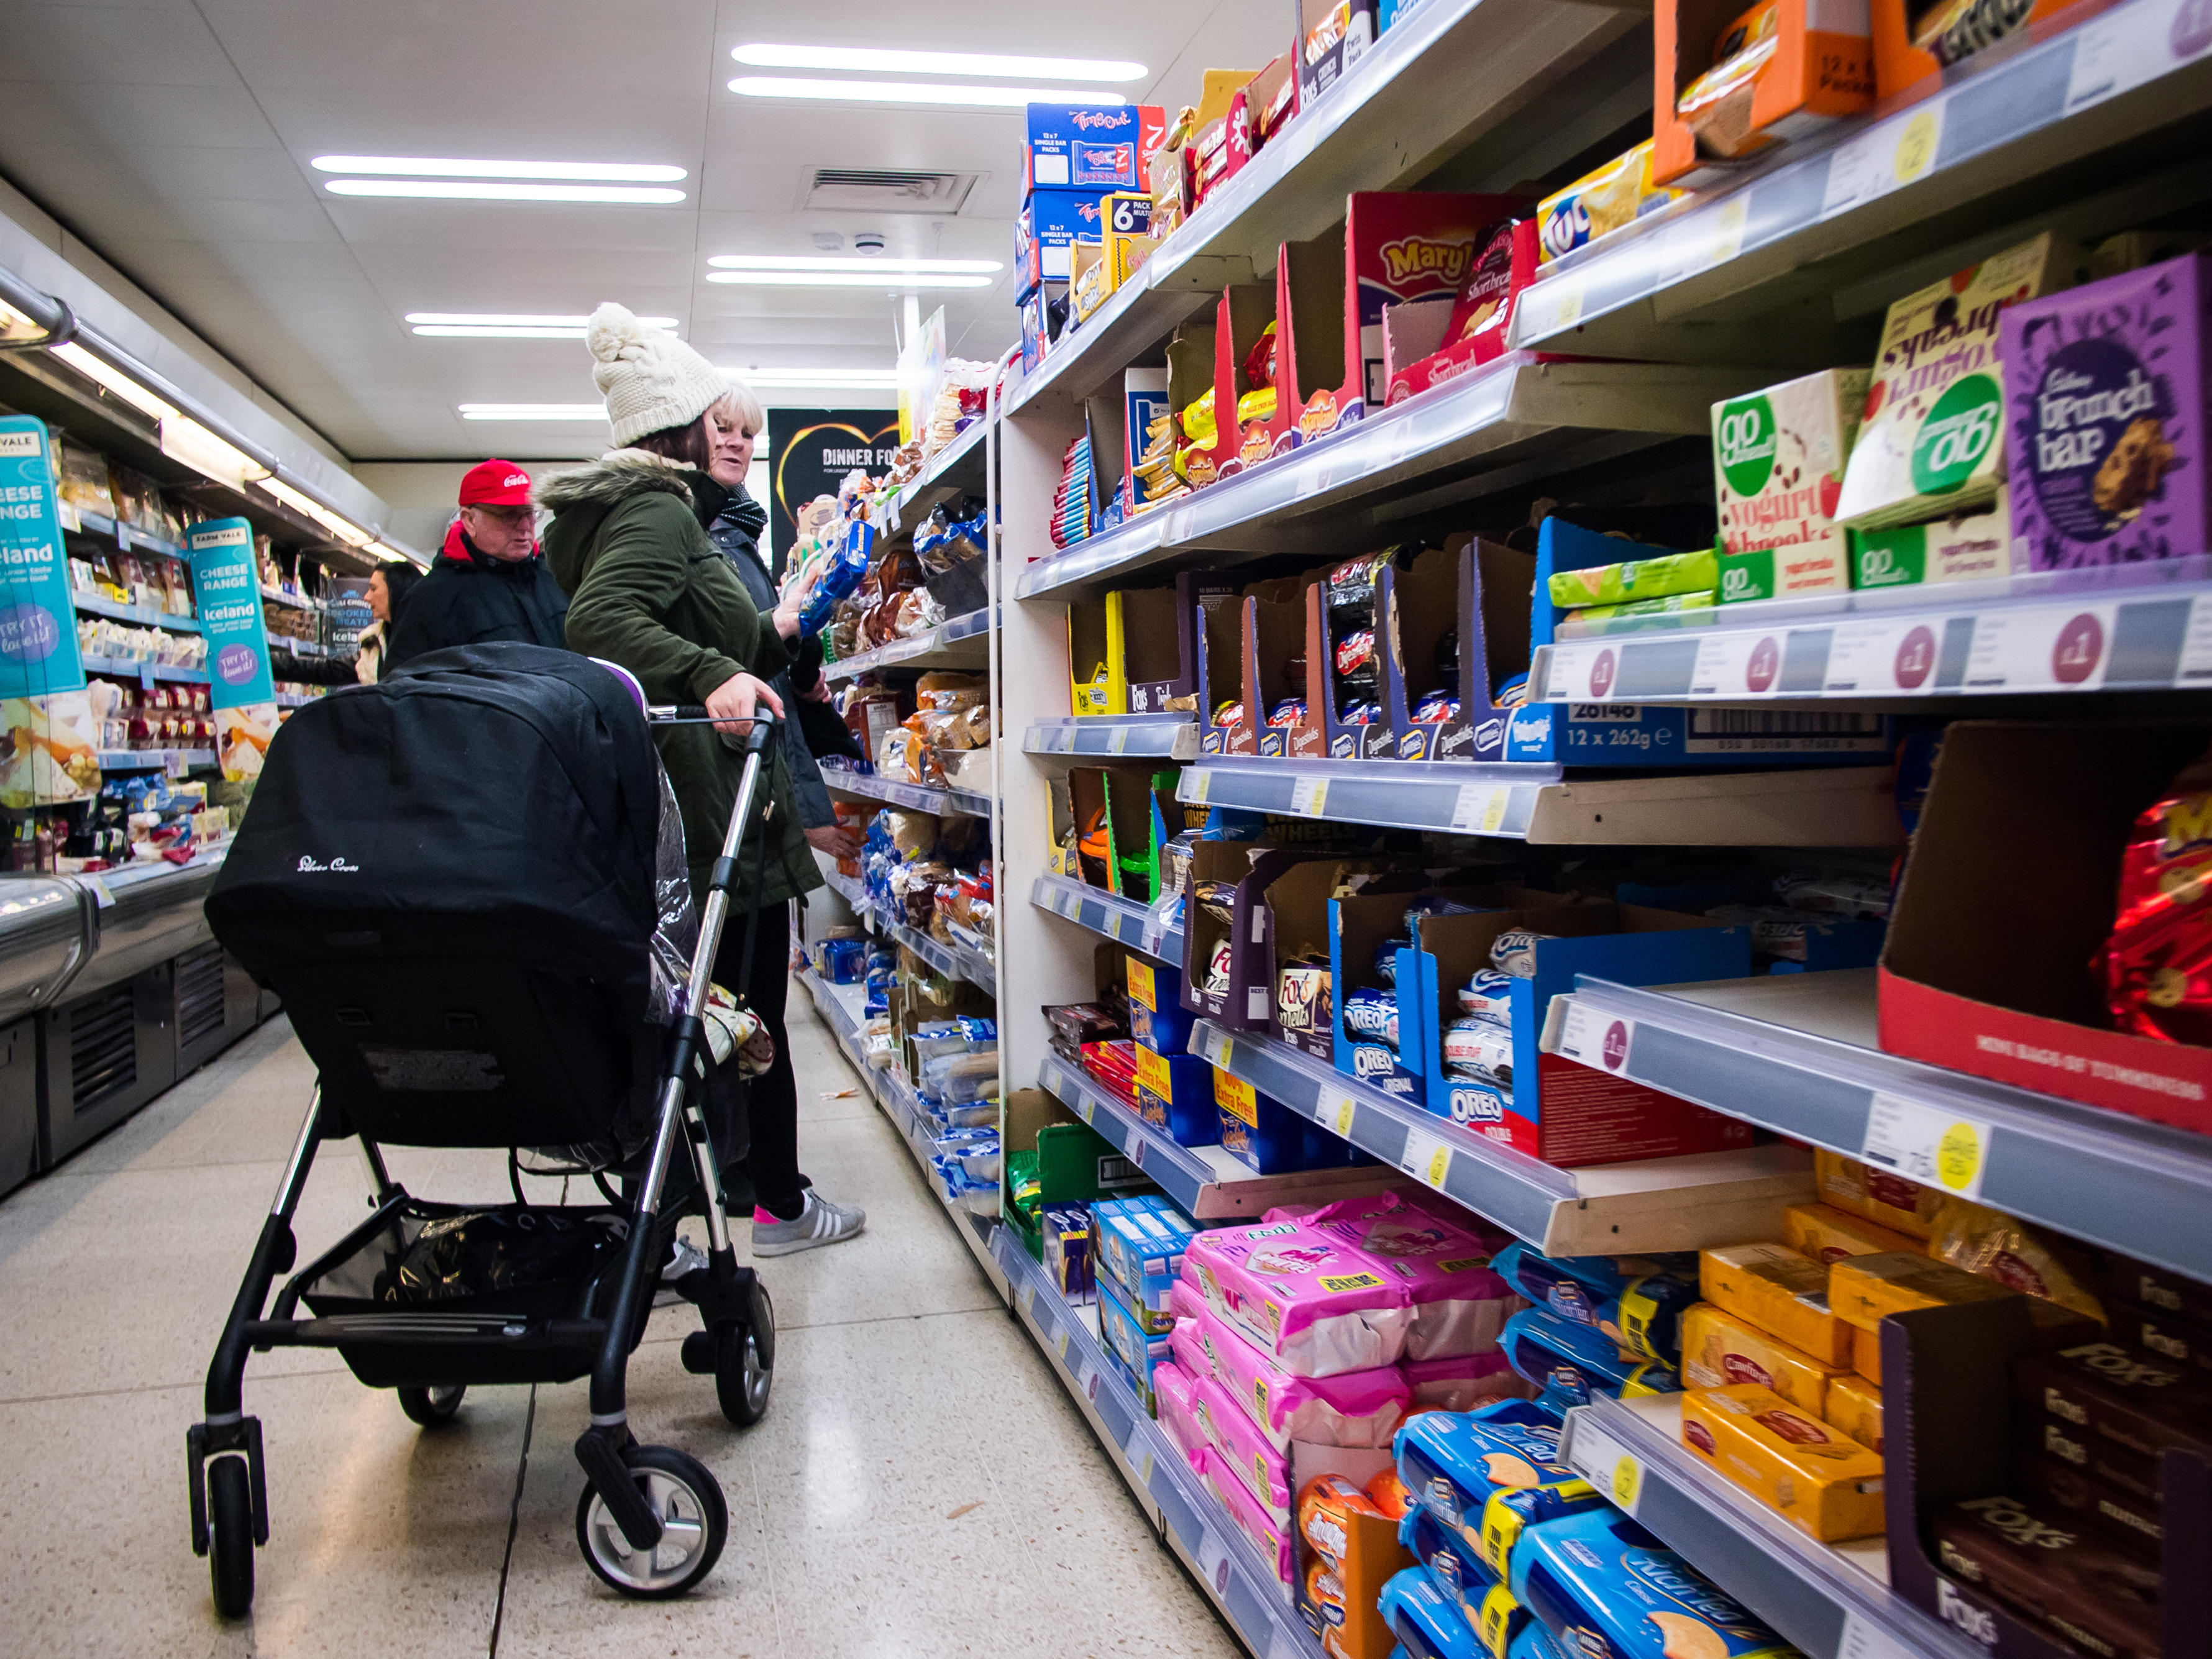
[(1386, 958), (1478, 1050), (1514, 951), (1488, 995), (1372, 1014)]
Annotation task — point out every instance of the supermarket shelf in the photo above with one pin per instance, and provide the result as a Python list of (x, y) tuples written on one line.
[(956, 470), (2006, 138), (297, 601), (174, 762), (840, 1006), (1829, 1601), (959, 642), (2138, 627), (1206, 1182), (145, 673), (128, 538), (1449, 75), (1143, 737), (1657, 1204), (1812, 806), (1255, 1604), (144, 615), (1117, 918), (1363, 482), (1798, 1053), (954, 960), (849, 889), (921, 797)]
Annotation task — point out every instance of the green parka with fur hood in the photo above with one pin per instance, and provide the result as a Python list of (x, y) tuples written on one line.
[(648, 590)]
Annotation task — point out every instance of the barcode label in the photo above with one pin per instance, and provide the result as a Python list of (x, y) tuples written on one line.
[(1773, 723)]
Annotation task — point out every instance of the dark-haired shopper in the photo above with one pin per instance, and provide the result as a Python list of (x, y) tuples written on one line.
[(647, 589)]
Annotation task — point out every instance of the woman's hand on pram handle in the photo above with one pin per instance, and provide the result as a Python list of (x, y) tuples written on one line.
[(732, 703)]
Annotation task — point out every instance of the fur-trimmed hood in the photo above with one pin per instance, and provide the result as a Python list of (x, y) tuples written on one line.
[(615, 476)]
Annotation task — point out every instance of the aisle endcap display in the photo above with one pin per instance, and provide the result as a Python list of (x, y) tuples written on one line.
[(1504, 413), (1798, 1054), (1879, 189), (1845, 806), (1660, 1204)]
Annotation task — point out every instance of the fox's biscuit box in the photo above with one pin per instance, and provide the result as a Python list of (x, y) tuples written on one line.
[(1777, 471), (1932, 442), (1091, 147)]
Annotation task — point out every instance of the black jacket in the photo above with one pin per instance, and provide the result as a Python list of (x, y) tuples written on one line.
[(470, 599)]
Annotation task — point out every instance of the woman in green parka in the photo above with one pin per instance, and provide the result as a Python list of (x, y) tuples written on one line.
[(647, 589)]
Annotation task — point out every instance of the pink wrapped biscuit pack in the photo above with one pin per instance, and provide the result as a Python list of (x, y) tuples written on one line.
[(1275, 1544), (1317, 1307), (1174, 1407), (1353, 1409), (1241, 1450), (1462, 1382), (1460, 1305)]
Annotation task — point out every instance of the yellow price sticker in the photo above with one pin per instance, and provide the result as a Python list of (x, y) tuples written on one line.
[(1626, 1477), (1493, 810), (1344, 1110), (1201, 780), (1439, 1166), (1958, 1158), (1141, 989), (1916, 146)]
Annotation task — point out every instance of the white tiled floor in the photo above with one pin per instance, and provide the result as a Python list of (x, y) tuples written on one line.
[(920, 1486)]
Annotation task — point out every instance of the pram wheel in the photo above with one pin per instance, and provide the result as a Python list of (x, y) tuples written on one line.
[(695, 1524), (230, 1537), (433, 1408), (741, 1376)]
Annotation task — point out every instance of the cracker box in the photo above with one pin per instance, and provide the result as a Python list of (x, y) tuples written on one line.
[(1777, 471), (1720, 1349), (1864, 1290), (1854, 1407), (1091, 147), (1783, 1293), (1874, 1194), (1931, 442), (1806, 1472), (1402, 246), (1828, 1235), (1866, 1354), (1974, 546), (2105, 386)]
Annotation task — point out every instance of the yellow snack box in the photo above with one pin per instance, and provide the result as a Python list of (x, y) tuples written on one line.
[(1864, 1290), (1719, 1349), (1807, 1473), (1828, 1235), (1874, 1194), (1783, 1293), (1854, 1409), (1866, 1354)]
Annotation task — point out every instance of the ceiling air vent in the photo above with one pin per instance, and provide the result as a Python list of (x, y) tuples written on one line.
[(888, 190)]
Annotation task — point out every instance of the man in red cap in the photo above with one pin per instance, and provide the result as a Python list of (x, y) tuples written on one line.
[(490, 581)]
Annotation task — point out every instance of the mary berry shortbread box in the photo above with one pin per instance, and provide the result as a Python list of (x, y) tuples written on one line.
[(2106, 387)]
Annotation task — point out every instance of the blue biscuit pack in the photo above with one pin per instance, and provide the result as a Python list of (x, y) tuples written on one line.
[(1139, 1241), (1573, 1363), (1426, 1624), (1491, 1614), (1163, 1030), (1606, 1588), (1138, 1349), (1635, 1301), (1089, 147), (1488, 1475)]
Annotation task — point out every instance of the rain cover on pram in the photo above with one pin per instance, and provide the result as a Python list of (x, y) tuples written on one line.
[(467, 883)]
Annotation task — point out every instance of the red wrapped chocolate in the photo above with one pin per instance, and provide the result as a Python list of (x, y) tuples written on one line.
[(2157, 965)]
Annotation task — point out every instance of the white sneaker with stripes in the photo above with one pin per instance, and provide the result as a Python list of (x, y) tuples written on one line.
[(820, 1223)]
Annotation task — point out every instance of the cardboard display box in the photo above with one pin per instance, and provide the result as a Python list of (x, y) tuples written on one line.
[(1332, 35), (1898, 63), (1313, 382), (1358, 927), (1218, 634), (1816, 75), (1556, 1109), (1420, 607), (2008, 895), (1093, 147), (1324, 731), (1240, 320), (1247, 1003), (1123, 794), (1257, 111), (1418, 349), (1272, 635), (1401, 245)]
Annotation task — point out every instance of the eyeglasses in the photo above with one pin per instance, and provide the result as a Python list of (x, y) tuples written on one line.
[(509, 516)]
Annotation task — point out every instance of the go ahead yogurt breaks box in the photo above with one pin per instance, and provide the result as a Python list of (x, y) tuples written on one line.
[(2107, 385), (1779, 470)]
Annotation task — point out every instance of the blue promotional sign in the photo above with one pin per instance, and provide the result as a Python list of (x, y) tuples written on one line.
[(228, 588), (38, 622)]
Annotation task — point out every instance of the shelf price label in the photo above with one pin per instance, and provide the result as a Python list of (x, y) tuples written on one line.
[(1028, 1297), (1197, 781), (1602, 1461), (1923, 1143), (1118, 741), (1211, 1559), (1427, 1158), (1595, 1039), (1309, 796), (1087, 1381), (1060, 1340), (1339, 1113)]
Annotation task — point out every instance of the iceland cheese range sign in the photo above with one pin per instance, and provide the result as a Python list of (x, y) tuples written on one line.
[(228, 589), (38, 622)]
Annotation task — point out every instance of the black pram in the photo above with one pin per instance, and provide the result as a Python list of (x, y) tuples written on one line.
[(464, 885)]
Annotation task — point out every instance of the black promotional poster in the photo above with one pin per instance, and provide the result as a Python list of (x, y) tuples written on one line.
[(810, 451)]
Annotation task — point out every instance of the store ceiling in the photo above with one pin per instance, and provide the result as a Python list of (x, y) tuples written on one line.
[(174, 137)]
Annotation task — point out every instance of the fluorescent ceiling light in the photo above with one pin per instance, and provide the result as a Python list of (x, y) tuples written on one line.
[(842, 262), (848, 279), (821, 376), (435, 167), (342, 528), (534, 412), (104, 373), (915, 91), (871, 59), (184, 439), (459, 189), (502, 325)]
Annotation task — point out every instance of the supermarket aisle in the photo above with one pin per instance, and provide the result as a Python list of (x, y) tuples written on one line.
[(920, 1486)]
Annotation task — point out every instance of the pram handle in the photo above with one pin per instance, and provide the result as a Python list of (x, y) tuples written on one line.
[(692, 713)]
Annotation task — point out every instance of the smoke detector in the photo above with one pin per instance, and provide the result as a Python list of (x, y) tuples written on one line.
[(829, 241), (867, 241)]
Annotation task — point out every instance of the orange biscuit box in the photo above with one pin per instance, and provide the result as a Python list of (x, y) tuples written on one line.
[(1781, 1292), (1854, 1408), (1719, 1349), (1810, 1474), (1828, 1235)]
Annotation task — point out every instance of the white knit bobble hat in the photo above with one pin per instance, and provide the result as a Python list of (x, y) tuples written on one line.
[(650, 379)]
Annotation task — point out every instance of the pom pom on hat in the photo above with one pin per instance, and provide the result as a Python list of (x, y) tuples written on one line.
[(651, 379)]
